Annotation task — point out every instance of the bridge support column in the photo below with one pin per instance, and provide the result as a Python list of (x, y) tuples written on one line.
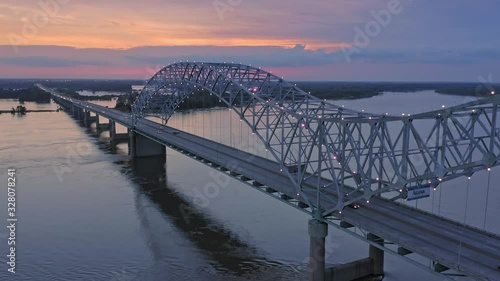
[(112, 130), (101, 126), (78, 113), (88, 119), (141, 146), (376, 254), (371, 266), (318, 231), (115, 137)]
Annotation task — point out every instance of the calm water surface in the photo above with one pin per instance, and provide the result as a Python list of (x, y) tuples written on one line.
[(88, 212)]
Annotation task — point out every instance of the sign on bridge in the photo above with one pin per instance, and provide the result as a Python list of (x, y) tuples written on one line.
[(418, 192)]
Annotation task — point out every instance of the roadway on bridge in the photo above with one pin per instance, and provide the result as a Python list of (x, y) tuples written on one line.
[(469, 250)]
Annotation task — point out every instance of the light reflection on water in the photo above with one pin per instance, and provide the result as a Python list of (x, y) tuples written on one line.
[(110, 218)]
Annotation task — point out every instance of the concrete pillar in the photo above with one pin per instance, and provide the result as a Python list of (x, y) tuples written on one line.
[(318, 230), (376, 254), (80, 114), (131, 143), (86, 117), (141, 146), (112, 130), (350, 271), (101, 126), (96, 119), (116, 137)]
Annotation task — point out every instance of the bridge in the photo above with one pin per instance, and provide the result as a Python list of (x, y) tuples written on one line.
[(326, 158)]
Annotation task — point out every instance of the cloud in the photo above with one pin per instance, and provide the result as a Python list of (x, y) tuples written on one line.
[(260, 56), (264, 56), (297, 61), (428, 56), (36, 61)]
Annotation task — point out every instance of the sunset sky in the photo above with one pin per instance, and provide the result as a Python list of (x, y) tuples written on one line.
[(338, 40)]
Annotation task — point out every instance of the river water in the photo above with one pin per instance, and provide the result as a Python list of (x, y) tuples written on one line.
[(86, 211)]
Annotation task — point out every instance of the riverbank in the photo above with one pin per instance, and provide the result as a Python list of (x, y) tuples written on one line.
[(27, 111)]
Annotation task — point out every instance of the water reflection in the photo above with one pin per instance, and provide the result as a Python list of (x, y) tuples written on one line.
[(221, 245)]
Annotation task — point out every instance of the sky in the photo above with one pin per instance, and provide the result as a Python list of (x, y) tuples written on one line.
[(301, 40)]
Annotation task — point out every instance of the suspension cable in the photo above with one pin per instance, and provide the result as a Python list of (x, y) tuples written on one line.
[(487, 195), (466, 200), (465, 219), (221, 124), (440, 195), (231, 133), (433, 195)]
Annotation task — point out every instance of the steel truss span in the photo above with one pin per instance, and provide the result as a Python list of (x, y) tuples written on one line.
[(352, 155)]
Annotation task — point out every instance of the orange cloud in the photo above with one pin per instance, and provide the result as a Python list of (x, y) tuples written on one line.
[(81, 25)]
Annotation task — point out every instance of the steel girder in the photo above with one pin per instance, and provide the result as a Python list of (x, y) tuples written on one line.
[(351, 155)]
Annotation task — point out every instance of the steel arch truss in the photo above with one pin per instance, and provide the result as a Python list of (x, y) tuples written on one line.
[(345, 154)]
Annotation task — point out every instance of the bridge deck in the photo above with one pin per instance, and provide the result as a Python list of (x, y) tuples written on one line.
[(469, 250)]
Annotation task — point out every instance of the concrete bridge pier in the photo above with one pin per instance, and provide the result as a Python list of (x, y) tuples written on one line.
[(96, 120), (74, 111), (101, 126), (376, 255), (141, 146), (88, 119), (79, 114), (373, 265), (86, 116), (117, 137), (114, 137), (318, 231)]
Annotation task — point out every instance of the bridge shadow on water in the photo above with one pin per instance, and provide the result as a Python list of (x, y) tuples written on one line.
[(217, 242), (175, 224), (172, 225)]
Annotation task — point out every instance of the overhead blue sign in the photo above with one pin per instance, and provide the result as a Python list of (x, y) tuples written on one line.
[(418, 192)]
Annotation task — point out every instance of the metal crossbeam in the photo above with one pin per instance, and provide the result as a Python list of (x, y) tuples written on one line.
[(359, 154)]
